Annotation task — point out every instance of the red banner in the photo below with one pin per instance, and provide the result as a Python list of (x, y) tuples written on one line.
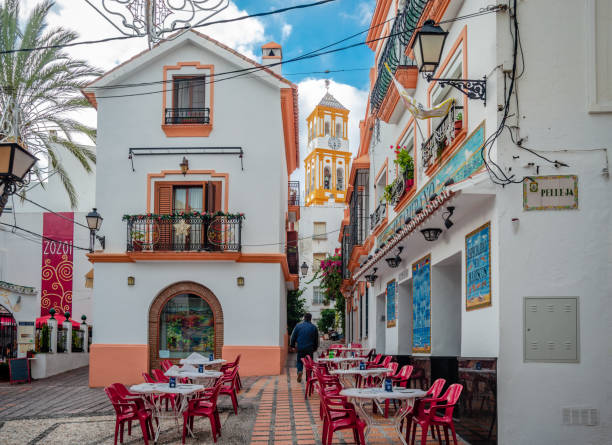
[(57, 265)]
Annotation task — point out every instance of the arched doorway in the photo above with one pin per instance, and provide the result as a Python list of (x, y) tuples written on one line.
[(185, 317), (8, 335)]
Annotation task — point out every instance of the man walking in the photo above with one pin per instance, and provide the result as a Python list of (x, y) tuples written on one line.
[(306, 335)]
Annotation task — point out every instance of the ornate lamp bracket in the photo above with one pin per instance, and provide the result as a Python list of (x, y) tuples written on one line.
[(474, 89)]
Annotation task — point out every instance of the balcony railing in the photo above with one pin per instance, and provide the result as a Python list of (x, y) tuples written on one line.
[(293, 257), (202, 233), (442, 136), (187, 116), (378, 215), (294, 193), (394, 52)]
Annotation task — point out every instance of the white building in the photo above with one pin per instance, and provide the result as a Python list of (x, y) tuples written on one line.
[(519, 282), (217, 149), (30, 236)]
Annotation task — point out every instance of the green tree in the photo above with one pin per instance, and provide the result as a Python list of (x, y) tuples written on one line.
[(327, 320), (330, 274), (39, 90), (296, 308)]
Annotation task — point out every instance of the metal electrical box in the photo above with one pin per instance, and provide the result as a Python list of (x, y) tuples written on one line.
[(550, 329)]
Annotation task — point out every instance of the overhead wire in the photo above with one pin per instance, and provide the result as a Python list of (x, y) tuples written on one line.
[(214, 22), (43, 236)]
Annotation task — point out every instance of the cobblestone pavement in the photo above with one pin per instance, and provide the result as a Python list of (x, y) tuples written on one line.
[(64, 410)]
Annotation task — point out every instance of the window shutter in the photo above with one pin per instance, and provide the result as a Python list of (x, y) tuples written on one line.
[(163, 206), (213, 196)]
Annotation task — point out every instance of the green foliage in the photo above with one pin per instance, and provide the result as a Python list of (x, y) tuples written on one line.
[(327, 320), (44, 339), (459, 117), (388, 193), (41, 89), (331, 281), (296, 308)]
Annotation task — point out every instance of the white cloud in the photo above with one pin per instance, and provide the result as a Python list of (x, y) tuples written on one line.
[(286, 31), (362, 13), (311, 91)]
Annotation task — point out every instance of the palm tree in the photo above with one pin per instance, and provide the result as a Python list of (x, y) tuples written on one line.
[(40, 90)]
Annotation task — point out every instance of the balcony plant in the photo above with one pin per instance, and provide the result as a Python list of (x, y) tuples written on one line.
[(388, 193), (458, 123), (406, 165), (137, 240)]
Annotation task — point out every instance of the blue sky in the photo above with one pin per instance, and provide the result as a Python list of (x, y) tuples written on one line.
[(312, 28)]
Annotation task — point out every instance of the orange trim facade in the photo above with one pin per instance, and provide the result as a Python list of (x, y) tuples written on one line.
[(189, 130), (164, 173), (378, 18), (289, 113), (117, 364), (257, 360), (238, 257)]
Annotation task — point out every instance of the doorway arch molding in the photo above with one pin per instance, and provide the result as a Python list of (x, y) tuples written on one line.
[(160, 301)]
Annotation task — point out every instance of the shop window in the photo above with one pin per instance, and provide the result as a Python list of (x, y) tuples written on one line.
[(186, 326), (319, 230)]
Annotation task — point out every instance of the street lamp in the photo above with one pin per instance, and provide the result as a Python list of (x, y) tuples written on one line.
[(393, 262), (304, 269), (427, 48), (94, 222), (15, 163)]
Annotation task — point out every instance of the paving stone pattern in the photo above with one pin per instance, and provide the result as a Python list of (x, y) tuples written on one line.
[(64, 410)]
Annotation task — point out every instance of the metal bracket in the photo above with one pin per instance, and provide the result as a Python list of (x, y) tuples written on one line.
[(474, 89), (159, 151)]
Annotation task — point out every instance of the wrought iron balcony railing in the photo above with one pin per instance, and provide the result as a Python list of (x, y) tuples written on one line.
[(394, 52), (378, 215), (187, 116), (202, 233), (442, 136), (294, 193)]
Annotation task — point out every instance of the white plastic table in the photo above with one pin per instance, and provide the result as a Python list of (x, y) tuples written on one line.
[(205, 362), (342, 361), (344, 374), (363, 396), (206, 378), (183, 391)]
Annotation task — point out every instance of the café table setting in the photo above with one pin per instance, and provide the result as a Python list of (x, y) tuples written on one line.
[(364, 396), (199, 359), (196, 374), (358, 371)]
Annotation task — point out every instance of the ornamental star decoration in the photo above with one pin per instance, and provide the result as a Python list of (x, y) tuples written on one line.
[(182, 228)]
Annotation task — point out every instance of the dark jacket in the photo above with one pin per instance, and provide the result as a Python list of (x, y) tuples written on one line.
[(306, 335)]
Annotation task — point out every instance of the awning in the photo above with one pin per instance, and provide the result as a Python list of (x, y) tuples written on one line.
[(40, 321)]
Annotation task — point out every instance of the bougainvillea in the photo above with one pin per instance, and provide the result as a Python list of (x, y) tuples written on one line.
[(330, 273)]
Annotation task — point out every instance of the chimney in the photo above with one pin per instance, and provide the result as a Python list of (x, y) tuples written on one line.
[(272, 54)]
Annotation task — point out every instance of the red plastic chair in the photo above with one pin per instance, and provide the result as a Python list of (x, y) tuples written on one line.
[(128, 410), (426, 414), (338, 414), (166, 364), (229, 388), (230, 366), (311, 379), (434, 391), (158, 375), (204, 406), (148, 378)]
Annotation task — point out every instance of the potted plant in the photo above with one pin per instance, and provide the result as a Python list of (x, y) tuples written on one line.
[(137, 240), (441, 147), (458, 123), (406, 164), (388, 193)]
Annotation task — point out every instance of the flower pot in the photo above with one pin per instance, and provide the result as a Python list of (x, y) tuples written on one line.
[(137, 245), (458, 126), (409, 184)]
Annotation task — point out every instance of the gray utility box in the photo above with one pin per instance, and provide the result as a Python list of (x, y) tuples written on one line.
[(551, 329)]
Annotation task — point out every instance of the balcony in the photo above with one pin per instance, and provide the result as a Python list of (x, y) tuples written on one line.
[(394, 52), (184, 233), (443, 136), (294, 193), (293, 257), (177, 116), (378, 215)]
